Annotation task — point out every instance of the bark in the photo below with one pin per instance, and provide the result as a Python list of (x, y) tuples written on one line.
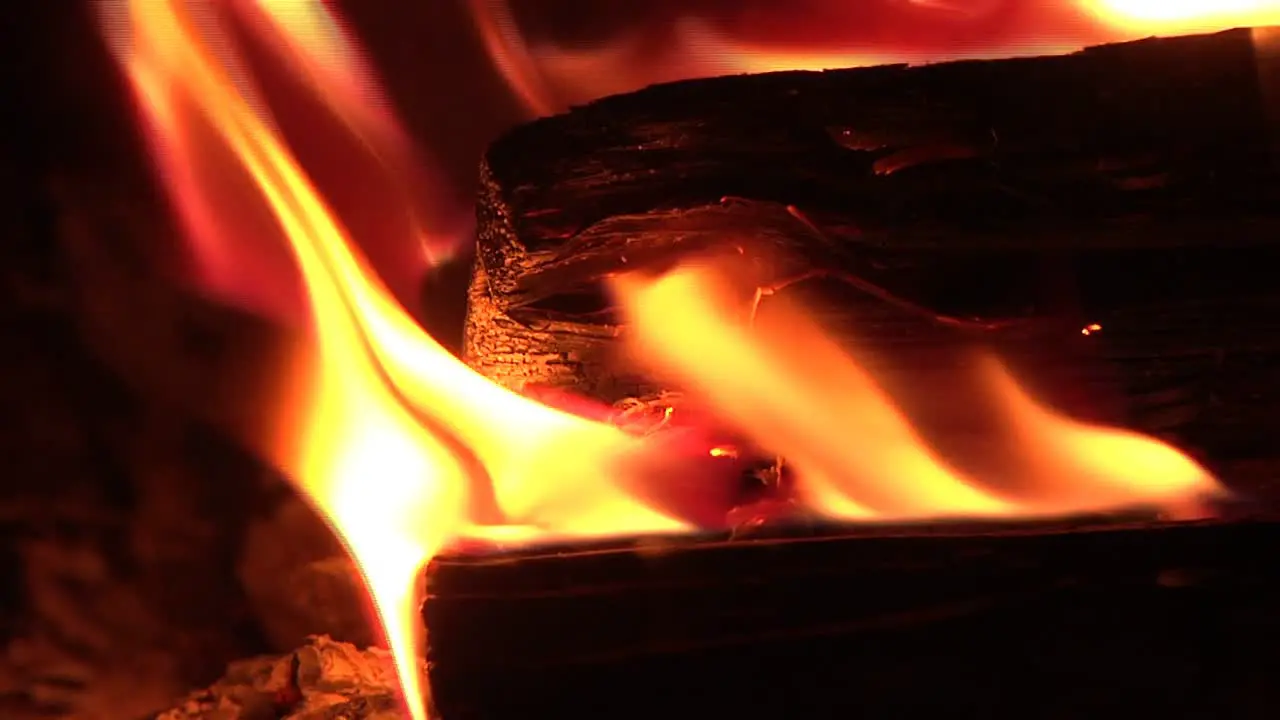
[(1007, 203)]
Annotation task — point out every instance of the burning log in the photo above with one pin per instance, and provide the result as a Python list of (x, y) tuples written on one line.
[(967, 621), (1102, 216), (1109, 214)]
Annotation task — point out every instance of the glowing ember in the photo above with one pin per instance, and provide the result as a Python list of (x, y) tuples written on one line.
[(405, 449)]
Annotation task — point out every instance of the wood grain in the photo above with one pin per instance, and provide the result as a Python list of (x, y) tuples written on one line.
[(1006, 204)]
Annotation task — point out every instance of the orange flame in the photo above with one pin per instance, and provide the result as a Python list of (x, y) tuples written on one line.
[(822, 34), (794, 392), (404, 449), (385, 431)]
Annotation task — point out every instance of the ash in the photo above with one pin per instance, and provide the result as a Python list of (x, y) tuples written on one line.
[(322, 680)]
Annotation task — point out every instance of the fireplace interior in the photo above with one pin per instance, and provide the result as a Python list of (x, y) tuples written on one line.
[(1105, 221)]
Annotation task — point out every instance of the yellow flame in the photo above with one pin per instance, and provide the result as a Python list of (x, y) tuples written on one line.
[(1183, 16), (364, 460), (1083, 467), (370, 434), (792, 391)]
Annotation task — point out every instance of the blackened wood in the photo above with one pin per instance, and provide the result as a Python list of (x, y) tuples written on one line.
[(1010, 203), (1092, 621)]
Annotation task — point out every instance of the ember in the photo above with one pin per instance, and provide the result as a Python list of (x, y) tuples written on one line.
[(408, 451)]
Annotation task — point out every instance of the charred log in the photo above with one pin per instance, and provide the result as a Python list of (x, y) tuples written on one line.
[(967, 621), (1009, 203)]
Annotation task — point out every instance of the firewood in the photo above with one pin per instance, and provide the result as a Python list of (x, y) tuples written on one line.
[(1007, 203), (1070, 620)]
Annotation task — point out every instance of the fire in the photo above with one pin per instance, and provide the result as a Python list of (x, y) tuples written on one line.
[(386, 432), (405, 450), (335, 99), (1184, 16), (796, 393), (549, 76)]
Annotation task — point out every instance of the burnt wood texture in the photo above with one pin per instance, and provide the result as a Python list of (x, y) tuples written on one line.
[(1009, 204)]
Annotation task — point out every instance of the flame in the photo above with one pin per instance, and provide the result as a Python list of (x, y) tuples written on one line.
[(550, 76), (1072, 464), (382, 429), (793, 391), (405, 450), (335, 96), (317, 49), (512, 57), (1183, 16)]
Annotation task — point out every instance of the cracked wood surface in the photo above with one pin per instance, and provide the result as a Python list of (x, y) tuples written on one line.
[(1004, 203)]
